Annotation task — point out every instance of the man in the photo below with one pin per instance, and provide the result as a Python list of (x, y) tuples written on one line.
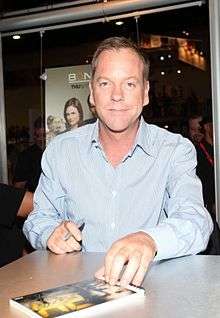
[(133, 184), (14, 203), (28, 167), (195, 129)]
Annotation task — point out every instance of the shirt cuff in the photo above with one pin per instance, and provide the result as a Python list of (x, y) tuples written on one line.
[(164, 241), (45, 235)]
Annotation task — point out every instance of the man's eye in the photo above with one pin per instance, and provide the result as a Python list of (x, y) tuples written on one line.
[(103, 84), (131, 84)]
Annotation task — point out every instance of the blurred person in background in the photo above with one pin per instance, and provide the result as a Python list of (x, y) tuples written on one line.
[(195, 128), (205, 166), (15, 203), (28, 166)]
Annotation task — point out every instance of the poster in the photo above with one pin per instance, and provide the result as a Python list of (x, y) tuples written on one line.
[(66, 95)]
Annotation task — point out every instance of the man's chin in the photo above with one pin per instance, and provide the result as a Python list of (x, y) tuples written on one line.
[(119, 126), (117, 129)]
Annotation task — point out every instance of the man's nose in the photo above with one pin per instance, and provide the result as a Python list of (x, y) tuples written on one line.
[(117, 93)]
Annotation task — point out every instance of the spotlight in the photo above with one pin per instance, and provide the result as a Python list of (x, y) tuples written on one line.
[(119, 22), (16, 37)]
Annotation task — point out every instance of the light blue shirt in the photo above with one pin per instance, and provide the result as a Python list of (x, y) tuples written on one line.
[(154, 189)]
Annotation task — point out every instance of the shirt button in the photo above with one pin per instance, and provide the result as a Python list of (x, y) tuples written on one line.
[(112, 225), (114, 193)]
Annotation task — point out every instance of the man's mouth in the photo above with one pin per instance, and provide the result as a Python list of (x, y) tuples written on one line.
[(118, 109)]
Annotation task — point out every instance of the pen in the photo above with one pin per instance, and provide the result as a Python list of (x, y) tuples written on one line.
[(80, 224)]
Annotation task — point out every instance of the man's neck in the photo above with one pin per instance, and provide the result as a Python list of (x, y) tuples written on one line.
[(117, 144)]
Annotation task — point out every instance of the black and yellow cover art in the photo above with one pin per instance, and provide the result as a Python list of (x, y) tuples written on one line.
[(62, 300)]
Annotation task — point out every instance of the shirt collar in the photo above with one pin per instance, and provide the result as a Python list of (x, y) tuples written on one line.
[(95, 133), (93, 141), (143, 138)]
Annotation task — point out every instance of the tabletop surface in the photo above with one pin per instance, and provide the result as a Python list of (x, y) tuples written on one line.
[(187, 287)]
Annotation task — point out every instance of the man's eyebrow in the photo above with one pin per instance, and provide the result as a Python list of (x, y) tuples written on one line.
[(132, 77), (102, 77), (126, 78)]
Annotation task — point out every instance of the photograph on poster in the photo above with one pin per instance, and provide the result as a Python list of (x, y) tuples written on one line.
[(66, 99)]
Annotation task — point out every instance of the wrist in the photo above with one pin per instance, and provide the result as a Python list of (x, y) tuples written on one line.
[(151, 242)]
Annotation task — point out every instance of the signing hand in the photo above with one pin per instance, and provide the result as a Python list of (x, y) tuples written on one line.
[(65, 238), (136, 250)]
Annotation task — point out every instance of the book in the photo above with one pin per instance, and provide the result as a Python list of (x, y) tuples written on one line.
[(76, 299)]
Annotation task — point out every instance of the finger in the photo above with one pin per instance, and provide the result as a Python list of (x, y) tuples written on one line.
[(72, 245), (73, 229), (100, 273), (142, 270), (55, 247), (131, 268), (55, 242), (60, 246), (108, 261), (118, 263)]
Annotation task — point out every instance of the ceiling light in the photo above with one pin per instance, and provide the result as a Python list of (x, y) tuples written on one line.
[(119, 22), (162, 73), (169, 56), (179, 71), (16, 37), (162, 58)]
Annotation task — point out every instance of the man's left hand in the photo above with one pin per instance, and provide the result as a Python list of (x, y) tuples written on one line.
[(136, 251)]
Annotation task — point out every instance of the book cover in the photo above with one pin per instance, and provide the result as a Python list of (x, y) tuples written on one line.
[(75, 299)]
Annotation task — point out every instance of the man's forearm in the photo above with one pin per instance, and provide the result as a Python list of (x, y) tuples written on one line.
[(26, 205)]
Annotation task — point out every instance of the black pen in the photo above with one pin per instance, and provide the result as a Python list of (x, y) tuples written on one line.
[(80, 224)]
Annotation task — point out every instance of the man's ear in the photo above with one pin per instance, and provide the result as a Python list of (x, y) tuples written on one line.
[(91, 98), (146, 93)]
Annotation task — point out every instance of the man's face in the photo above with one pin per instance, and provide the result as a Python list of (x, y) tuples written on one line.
[(195, 130), (119, 90)]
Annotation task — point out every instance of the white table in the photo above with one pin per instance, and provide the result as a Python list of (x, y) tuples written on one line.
[(187, 287)]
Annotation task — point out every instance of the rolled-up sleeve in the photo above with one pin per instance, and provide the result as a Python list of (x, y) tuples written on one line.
[(188, 225), (48, 203)]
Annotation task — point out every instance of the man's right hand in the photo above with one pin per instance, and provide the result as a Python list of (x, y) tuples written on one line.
[(65, 238)]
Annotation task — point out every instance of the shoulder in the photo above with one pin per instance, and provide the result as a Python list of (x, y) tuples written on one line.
[(161, 138), (174, 151), (79, 137)]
